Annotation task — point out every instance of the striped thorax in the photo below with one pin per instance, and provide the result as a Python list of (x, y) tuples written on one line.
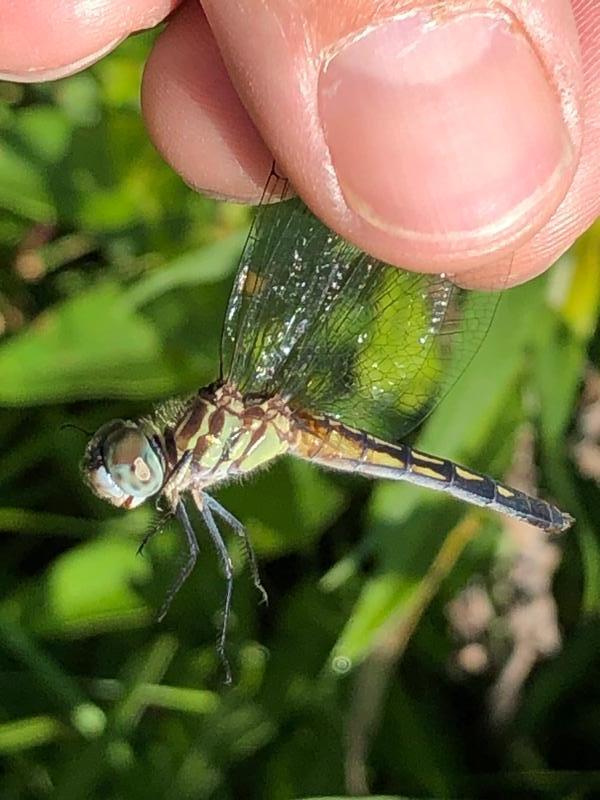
[(230, 435)]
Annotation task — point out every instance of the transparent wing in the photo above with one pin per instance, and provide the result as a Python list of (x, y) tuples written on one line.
[(334, 330)]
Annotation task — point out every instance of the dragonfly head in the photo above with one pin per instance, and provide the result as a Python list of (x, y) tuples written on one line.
[(122, 465)]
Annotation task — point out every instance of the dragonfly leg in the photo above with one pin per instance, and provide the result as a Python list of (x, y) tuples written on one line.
[(215, 535), (156, 526), (239, 529), (193, 550), (174, 482)]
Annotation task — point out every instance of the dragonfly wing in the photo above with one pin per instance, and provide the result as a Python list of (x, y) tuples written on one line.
[(255, 291), (334, 330)]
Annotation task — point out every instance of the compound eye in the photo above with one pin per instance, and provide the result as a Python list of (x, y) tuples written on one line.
[(131, 462)]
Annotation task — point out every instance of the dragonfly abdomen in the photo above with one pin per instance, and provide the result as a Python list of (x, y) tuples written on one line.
[(332, 444), (479, 489)]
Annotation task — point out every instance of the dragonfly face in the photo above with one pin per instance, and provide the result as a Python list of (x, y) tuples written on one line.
[(123, 465)]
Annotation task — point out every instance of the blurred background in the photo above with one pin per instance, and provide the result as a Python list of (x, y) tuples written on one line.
[(411, 646)]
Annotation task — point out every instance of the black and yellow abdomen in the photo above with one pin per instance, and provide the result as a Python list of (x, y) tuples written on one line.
[(331, 443)]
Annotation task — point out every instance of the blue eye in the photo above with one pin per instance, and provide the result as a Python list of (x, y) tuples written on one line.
[(131, 462), (121, 466)]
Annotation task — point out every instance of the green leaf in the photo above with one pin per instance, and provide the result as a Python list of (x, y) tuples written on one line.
[(23, 188), (564, 335), (90, 346), (207, 264), (23, 734), (401, 599), (44, 135), (89, 588), (97, 344), (463, 422), (575, 285), (60, 688)]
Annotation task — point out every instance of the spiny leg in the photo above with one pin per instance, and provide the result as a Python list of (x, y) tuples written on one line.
[(179, 469), (159, 523), (239, 529), (155, 527), (193, 550), (221, 548)]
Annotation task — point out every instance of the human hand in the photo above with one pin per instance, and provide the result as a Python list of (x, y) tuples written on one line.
[(441, 137)]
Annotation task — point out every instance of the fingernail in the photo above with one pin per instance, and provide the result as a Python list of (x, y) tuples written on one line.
[(442, 127)]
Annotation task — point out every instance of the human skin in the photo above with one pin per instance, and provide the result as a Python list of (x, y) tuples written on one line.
[(451, 136)]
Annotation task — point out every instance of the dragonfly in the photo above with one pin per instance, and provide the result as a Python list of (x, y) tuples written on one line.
[(328, 355)]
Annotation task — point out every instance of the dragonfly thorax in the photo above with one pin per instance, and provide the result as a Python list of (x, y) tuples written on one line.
[(227, 434)]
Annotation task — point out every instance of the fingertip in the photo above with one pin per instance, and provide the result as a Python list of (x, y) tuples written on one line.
[(500, 274), (194, 115), (42, 40)]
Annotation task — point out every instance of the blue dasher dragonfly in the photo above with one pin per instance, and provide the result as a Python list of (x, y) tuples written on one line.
[(328, 355)]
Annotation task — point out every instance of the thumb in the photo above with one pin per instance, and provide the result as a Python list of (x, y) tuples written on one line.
[(436, 137)]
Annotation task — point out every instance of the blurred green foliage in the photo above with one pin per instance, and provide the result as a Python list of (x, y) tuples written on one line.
[(113, 282)]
